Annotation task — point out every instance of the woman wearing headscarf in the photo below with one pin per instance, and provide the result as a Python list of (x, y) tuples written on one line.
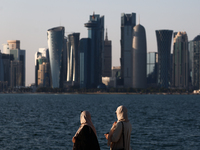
[(120, 133), (85, 137)]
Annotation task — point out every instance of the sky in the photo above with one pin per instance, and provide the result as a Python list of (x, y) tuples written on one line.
[(28, 21)]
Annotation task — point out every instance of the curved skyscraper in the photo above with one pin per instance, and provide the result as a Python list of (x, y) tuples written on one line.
[(164, 38), (73, 58), (55, 38), (139, 57)]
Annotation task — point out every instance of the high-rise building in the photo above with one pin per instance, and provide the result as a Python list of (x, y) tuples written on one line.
[(96, 33), (107, 57), (20, 55), (194, 49), (73, 68), (13, 47), (42, 55), (139, 60), (180, 71), (152, 69), (128, 21), (164, 38), (85, 63), (55, 37)]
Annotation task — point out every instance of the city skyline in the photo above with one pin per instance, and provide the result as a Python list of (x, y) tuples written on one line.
[(28, 22)]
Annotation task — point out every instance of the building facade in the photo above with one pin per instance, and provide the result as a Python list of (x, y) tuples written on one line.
[(107, 57), (44, 75), (180, 68), (55, 37), (194, 50), (139, 60), (85, 63), (6, 59), (128, 21), (16, 73), (164, 38), (152, 69), (96, 33)]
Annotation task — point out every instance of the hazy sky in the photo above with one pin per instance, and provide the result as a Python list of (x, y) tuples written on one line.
[(29, 20)]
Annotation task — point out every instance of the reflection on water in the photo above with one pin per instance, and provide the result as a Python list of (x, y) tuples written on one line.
[(50, 121)]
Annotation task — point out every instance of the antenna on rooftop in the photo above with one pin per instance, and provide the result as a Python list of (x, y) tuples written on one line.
[(139, 19)]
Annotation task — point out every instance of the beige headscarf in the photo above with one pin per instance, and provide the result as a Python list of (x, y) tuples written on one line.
[(122, 115), (85, 119)]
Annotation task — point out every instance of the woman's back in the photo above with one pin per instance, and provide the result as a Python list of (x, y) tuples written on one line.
[(86, 140)]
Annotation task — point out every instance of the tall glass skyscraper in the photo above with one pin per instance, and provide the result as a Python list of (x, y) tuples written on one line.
[(55, 37), (96, 33), (180, 66), (128, 21), (164, 38)]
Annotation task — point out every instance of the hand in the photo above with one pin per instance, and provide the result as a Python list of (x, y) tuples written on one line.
[(114, 123), (106, 135), (73, 139)]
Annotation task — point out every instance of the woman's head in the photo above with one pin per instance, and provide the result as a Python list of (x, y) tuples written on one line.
[(122, 113), (85, 117)]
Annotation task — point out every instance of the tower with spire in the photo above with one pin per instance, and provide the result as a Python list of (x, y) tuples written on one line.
[(107, 59)]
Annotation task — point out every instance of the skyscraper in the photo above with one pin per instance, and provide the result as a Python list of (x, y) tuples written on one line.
[(42, 55), (107, 59), (73, 68), (164, 38), (85, 60), (128, 21), (139, 60), (13, 47), (195, 61), (96, 33), (180, 71), (55, 37)]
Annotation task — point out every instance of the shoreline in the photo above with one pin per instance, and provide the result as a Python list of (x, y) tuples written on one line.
[(102, 93)]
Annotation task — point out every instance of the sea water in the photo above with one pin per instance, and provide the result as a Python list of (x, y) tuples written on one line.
[(49, 121)]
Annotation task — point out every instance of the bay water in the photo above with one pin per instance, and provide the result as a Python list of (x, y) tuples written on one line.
[(49, 121)]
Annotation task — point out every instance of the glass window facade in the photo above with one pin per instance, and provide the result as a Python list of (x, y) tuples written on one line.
[(152, 63)]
